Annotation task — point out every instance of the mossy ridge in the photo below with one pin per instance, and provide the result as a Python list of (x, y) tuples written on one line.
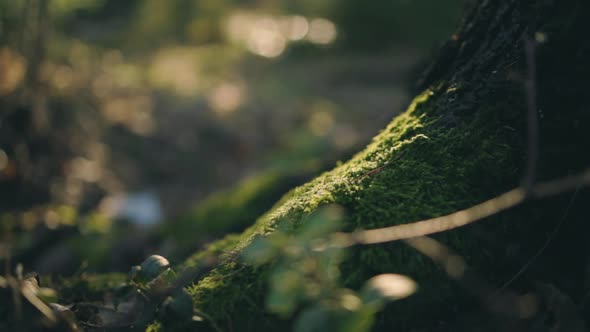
[(214, 249), (427, 180), (234, 209)]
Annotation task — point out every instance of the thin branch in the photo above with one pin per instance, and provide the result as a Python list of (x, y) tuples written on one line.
[(453, 264), (532, 121), (37, 303), (444, 223), (461, 218), (497, 301)]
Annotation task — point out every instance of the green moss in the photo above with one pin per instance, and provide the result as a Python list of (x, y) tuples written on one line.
[(215, 249), (234, 209), (154, 327), (439, 167)]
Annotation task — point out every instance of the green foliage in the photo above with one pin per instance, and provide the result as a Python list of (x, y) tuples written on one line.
[(306, 270)]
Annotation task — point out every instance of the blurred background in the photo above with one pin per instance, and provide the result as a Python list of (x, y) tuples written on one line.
[(135, 127)]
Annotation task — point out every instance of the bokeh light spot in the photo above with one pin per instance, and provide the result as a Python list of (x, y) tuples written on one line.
[(322, 31), (12, 70), (3, 160), (295, 27), (226, 98), (266, 39), (321, 122)]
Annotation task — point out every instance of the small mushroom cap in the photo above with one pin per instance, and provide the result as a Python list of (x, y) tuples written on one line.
[(153, 266)]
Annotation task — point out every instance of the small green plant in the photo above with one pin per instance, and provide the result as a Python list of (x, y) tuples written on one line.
[(305, 275), (155, 281), (154, 271)]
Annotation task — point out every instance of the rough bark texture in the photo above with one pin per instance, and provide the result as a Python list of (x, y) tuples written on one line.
[(463, 140)]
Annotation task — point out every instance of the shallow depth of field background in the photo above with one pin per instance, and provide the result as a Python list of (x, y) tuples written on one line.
[(120, 119)]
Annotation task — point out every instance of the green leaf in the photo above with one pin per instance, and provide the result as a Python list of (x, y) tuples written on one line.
[(315, 319), (162, 281), (260, 251), (322, 223), (359, 321), (286, 279), (281, 303)]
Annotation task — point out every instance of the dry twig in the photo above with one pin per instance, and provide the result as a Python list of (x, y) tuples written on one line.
[(464, 217)]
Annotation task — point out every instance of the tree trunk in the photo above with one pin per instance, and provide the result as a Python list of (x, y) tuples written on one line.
[(468, 137)]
